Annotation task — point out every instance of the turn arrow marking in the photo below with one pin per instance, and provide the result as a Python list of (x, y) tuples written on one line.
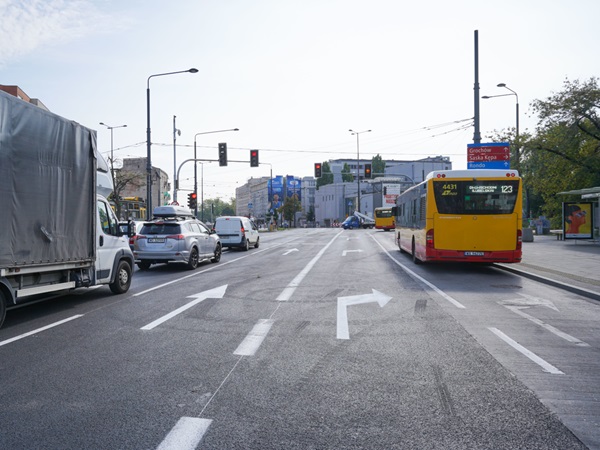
[(344, 302), (218, 292), (290, 251), (350, 251)]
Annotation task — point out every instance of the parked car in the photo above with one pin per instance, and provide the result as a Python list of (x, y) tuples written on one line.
[(237, 231), (175, 235)]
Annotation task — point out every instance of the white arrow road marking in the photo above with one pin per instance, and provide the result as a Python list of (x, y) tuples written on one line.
[(344, 302), (529, 300), (290, 251), (546, 366), (186, 434), (212, 293), (345, 252)]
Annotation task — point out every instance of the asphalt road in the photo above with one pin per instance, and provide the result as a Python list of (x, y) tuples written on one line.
[(318, 339)]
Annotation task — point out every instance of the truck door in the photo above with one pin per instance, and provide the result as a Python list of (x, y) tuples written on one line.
[(108, 241)]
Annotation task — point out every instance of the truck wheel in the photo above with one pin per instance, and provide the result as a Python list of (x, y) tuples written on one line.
[(193, 261), (122, 279), (3, 301), (246, 246)]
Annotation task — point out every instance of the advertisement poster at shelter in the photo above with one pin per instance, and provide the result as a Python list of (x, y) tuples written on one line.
[(578, 220)]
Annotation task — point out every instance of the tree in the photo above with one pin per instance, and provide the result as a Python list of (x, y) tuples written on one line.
[(378, 166), (564, 154), (347, 176), (310, 215), (326, 175), (122, 180), (290, 207)]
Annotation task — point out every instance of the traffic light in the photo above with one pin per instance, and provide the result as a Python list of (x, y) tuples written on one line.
[(192, 200), (222, 154), (367, 170), (317, 170), (253, 158)]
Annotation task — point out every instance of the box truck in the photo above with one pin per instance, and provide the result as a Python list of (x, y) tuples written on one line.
[(57, 229)]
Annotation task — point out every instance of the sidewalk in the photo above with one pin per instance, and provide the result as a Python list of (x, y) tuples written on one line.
[(571, 264)]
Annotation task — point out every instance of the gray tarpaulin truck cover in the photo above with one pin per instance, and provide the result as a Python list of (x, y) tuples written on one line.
[(47, 187)]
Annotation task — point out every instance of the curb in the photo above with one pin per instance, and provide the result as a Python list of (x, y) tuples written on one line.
[(568, 287)]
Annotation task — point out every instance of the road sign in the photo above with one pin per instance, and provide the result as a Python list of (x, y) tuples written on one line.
[(494, 155), (504, 165)]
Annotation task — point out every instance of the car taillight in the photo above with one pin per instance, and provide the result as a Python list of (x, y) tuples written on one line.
[(519, 239), (176, 237), (429, 239), (243, 231)]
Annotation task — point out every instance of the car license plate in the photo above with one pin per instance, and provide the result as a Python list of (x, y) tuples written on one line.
[(474, 253), (156, 240)]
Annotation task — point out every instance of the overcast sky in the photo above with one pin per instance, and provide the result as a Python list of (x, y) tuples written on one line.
[(293, 75)]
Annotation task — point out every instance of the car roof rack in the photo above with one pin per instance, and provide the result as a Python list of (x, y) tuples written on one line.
[(172, 212)]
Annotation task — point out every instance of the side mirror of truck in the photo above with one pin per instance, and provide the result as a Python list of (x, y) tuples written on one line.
[(127, 229)]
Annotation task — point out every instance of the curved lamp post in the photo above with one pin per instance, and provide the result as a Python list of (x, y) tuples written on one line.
[(517, 150), (357, 133), (149, 142), (196, 171)]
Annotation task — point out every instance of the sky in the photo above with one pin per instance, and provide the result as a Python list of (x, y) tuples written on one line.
[(293, 75)]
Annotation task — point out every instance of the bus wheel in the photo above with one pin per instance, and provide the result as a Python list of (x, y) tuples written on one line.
[(399, 245), (414, 253)]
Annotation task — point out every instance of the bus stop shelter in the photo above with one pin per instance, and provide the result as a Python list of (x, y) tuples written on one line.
[(590, 195)]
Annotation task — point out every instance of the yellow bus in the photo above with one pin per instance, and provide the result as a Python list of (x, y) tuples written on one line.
[(384, 218), (462, 215)]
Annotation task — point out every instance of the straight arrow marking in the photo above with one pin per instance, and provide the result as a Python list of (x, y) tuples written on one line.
[(218, 292), (344, 302)]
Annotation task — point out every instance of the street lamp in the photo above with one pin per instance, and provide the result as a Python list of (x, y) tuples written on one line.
[(517, 150), (196, 170), (149, 142), (175, 133), (357, 133), (112, 169)]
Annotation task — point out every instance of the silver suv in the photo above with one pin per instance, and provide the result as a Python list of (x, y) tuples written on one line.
[(175, 235)]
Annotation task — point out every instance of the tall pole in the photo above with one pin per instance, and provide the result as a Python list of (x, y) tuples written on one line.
[(357, 133), (149, 142), (477, 133), (175, 132), (112, 157)]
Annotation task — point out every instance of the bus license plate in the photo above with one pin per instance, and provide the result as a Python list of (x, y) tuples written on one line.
[(474, 253)]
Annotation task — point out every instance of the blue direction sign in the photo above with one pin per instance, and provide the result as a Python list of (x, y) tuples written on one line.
[(489, 165), (495, 155)]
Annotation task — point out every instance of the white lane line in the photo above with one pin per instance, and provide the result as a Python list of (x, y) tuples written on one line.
[(546, 366), (421, 279), (186, 434), (550, 328), (52, 325), (252, 341), (287, 292)]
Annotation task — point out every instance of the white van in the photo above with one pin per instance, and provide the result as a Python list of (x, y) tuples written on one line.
[(237, 231)]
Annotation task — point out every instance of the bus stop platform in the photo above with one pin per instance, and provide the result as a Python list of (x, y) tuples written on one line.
[(571, 264)]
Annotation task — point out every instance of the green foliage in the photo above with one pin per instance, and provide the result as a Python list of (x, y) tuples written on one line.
[(290, 207), (347, 176), (564, 154), (327, 175), (377, 166)]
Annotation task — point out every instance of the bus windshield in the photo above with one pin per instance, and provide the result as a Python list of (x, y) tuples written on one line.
[(476, 196)]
